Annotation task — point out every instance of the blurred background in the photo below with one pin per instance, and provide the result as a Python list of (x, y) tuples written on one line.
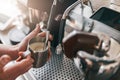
[(19, 17)]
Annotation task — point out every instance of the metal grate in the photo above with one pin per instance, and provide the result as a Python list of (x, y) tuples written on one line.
[(58, 68)]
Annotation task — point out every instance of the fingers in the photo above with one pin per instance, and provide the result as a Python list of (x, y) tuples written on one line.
[(4, 59), (18, 68), (24, 43), (23, 55), (34, 32), (26, 62), (43, 34)]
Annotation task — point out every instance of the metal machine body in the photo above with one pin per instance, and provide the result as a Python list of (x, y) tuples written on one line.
[(86, 62), (89, 63)]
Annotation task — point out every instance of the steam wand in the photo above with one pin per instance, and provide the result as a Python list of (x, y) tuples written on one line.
[(52, 11), (62, 25), (91, 5), (82, 11), (63, 21)]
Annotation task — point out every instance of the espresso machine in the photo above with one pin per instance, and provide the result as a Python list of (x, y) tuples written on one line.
[(89, 42), (59, 67), (54, 9), (87, 47)]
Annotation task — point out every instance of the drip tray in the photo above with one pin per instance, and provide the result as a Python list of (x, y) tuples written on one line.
[(58, 68)]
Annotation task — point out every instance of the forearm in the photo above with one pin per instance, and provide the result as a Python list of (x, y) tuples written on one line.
[(12, 51)]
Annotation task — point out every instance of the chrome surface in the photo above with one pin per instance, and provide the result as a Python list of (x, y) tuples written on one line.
[(58, 68)]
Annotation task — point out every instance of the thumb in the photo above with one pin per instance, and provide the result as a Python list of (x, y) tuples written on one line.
[(4, 59), (24, 42), (34, 32)]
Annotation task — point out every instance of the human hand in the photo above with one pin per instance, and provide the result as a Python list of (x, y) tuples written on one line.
[(11, 72), (19, 67), (24, 43), (22, 46)]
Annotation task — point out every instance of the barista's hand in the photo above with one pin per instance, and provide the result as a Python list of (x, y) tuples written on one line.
[(24, 42), (35, 32), (12, 71)]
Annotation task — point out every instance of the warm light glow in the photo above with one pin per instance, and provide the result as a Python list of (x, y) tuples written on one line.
[(8, 7)]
